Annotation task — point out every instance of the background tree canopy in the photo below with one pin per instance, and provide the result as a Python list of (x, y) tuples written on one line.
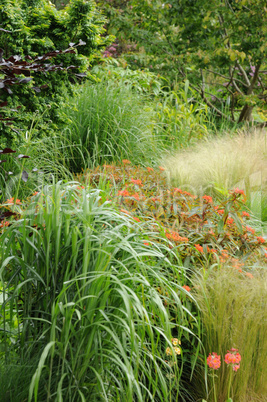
[(220, 46)]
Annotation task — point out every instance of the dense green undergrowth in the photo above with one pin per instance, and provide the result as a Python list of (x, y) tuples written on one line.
[(108, 283)]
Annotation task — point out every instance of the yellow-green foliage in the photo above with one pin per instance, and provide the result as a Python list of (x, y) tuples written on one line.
[(222, 163), (234, 315)]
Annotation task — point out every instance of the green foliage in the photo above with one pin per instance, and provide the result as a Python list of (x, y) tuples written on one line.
[(229, 65), (85, 288), (31, 28), (201, 231), (106, 122), (181, 118), (142, 81)]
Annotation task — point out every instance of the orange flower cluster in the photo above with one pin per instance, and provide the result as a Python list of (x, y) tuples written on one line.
[(234, 358), (208, 199), (124, 193), (137, 182), (214, 361), (176, 237), (11, 201)]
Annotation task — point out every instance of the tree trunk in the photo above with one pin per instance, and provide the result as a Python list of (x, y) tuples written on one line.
[(246, 112)]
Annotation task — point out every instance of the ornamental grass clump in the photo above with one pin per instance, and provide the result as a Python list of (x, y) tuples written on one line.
[(106, 122), (92, 302), (233, 312), (222, 163)]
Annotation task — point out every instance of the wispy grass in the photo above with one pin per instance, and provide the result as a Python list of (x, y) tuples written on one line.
[(222, 163), (234, 315), (84, 287)]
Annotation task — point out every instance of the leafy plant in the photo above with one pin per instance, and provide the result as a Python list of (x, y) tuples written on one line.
[(86, 290)]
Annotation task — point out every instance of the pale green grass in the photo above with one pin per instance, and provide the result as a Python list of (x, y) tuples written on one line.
[(221, 163), (234, 315)]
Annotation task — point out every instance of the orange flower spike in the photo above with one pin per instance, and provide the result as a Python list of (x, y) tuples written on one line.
[(150, 169), (136, 219), (245, 214), (249, 275), (161, 168), (136, 196)]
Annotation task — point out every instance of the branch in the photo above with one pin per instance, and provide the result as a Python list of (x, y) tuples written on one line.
[(210, 104), (227, 78), (242, 71)]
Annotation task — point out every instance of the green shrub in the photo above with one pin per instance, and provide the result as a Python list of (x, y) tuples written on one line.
[(30, 29)]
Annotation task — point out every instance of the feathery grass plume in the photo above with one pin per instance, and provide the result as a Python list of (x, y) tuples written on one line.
[(85, 288), (222, 163), (233, 314)]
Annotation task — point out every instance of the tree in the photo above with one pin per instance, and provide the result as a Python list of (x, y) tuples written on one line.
[(220, 45)]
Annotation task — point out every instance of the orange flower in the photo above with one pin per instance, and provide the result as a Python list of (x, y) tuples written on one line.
[(238, 191), (11, 201), (261, 239), (232, 357), (125, 211), (137, 182), (214, 361), (126, 162), (136, 196), (230, 221), (176, 237), (124, 193), (177, 190), (187, 288), (208, 199), (150, 169), (249, 275), (161, 168), (146, 243), (245, 214), (249, 229), (136, 219), (199, 248), (6, 223)]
